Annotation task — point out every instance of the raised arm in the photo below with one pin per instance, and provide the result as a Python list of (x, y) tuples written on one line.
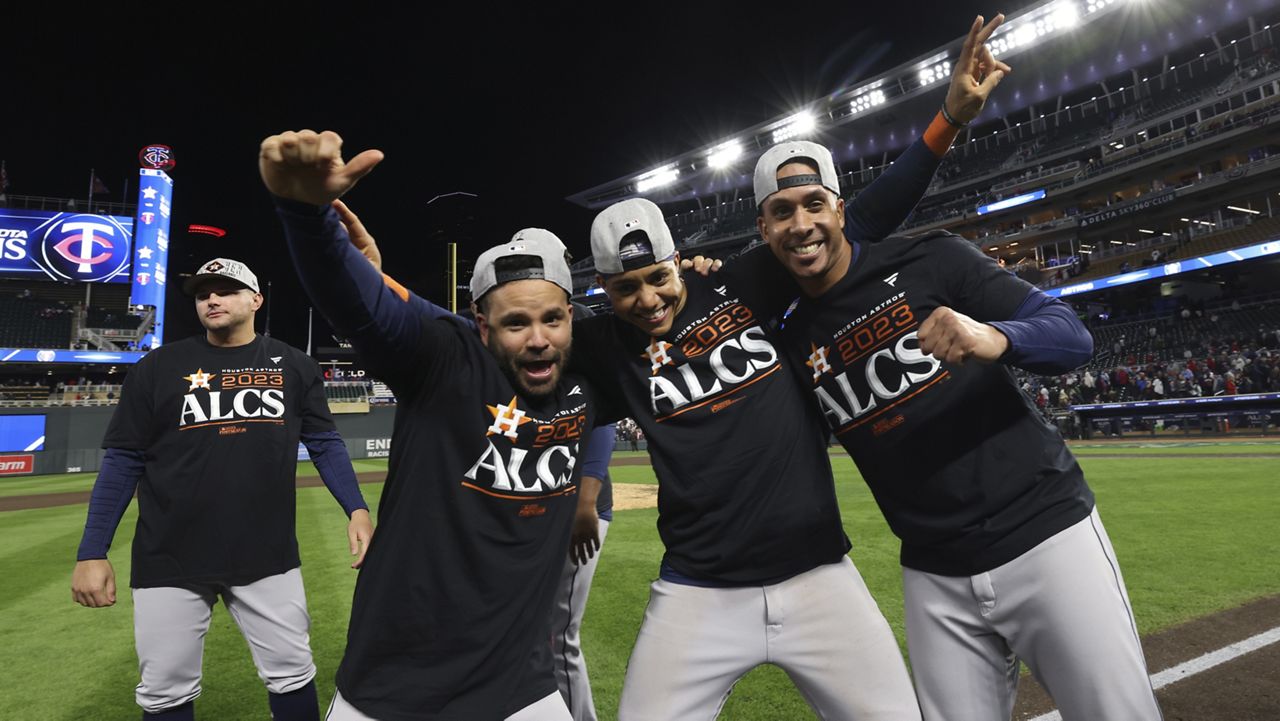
[(885, 204), (305, 172)]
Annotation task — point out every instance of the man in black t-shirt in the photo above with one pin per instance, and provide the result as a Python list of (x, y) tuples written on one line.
[(755, 568), (906, 345), (207, 429), (450, 614)]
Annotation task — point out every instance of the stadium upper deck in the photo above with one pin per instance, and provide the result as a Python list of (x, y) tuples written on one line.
[(1124, 108)]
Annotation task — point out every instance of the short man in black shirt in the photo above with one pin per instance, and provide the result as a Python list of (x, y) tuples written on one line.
[(451, 610), (907, 344), (755, 569), (209, 426)]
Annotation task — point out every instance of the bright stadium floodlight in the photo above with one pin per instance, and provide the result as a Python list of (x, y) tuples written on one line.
[(1066, 15), (724, 154), (866, 101), (801, 123), (657, 179), (1244, 210), (935, 72)]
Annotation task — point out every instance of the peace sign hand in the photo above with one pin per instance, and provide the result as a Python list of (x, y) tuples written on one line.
[(977, 73)]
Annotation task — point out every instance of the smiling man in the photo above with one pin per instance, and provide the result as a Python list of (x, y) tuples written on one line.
[(755, 569), (907, 345), (207, 429)]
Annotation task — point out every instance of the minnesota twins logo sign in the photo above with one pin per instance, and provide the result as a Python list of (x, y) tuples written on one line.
[(85, 248), (159, 157)]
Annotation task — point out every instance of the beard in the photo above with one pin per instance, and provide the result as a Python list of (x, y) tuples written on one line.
[(512, 366)]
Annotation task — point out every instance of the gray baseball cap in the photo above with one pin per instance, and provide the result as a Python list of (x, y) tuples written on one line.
[(532, 254), (630, 234), (766, 180), (222, 268)]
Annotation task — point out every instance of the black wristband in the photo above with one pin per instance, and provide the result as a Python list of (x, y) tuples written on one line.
[(950, 120)]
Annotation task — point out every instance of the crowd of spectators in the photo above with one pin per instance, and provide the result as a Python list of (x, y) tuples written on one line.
[(1190, 354)]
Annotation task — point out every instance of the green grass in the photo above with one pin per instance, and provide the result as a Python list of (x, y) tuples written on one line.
[(1193, 536), (32, 485)]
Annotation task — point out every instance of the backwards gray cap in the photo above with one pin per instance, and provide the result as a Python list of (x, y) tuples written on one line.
[(766, 180), (630, 234), (532, 254), (222, 268)]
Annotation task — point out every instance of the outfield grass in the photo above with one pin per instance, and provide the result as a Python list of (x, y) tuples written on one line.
[(1194, 535)]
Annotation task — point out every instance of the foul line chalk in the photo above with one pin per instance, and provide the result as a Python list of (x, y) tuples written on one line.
[(1199, 664)]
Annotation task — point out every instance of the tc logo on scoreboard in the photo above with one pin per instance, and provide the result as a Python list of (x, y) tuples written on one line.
[(157, 156), (85, 248)]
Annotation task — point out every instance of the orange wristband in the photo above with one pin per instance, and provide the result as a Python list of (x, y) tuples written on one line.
[(940, 135), (401, 291)]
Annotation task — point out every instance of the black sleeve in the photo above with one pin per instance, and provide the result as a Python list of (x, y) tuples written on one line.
[(975, 284), (885, 204), (314, 412), (383, 321), (131, 424)]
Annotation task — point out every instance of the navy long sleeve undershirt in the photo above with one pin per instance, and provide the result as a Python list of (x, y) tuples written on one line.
[(122, 470), (595, 462), (884, 205), (117, 480), (1045, 336), (329, 455)]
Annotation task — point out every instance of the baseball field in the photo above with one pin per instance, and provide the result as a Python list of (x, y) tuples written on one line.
[(1195, 526)]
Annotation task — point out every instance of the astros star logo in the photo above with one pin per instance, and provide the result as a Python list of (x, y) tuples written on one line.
[(507, 419), (199, 379), (657, 354), (818, 361)]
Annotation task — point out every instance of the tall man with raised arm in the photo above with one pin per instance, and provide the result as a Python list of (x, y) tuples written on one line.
[(450, 615), (907, 346), (755, 569), (209, 427)]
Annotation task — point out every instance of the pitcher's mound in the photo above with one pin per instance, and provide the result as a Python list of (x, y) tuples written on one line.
[(630, 496)]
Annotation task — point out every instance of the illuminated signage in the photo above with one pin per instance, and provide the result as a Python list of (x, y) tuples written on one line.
[(1011, 202), (151, 247), (1169, 269), (69, 247)]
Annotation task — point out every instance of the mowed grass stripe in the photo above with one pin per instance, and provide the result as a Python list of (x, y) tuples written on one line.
[(1193, 536)]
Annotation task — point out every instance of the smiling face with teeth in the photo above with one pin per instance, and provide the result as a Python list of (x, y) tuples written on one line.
[(648, 298), (804, 227)]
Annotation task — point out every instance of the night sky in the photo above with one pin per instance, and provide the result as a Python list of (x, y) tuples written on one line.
[(519, 106)]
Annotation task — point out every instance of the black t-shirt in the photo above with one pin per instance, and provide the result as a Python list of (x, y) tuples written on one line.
[(745, 492), (966, 472), (219, 428), (451, 610)]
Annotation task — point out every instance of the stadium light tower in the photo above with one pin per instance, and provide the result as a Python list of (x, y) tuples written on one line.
[(802, 123), (724, 154), (657, 178)]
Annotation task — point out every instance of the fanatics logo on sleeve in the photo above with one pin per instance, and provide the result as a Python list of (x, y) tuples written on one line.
[(577, 391), (891, 280), (276, 359)]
